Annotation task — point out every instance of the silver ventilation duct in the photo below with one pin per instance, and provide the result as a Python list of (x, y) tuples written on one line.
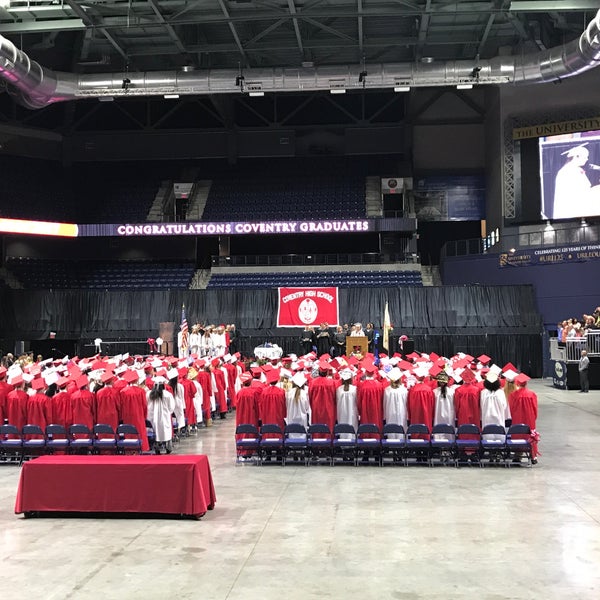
[(35, 86)]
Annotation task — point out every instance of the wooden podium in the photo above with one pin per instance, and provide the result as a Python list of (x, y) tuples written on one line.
[(357, 343)]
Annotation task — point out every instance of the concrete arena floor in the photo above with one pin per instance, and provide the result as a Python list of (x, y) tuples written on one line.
[(342, 532)]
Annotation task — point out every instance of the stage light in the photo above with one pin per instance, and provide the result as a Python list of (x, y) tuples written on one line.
[(583, 222), (402, 88), (464, 86), (171, 96), (337, 91), (256, 94), (512, 250)]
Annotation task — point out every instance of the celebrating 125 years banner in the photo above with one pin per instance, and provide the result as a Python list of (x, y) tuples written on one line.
[(307, 306)]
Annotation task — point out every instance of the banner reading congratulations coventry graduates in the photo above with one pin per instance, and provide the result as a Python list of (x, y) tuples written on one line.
[(307, 306)]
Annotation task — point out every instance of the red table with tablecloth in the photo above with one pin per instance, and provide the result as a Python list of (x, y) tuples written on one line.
[(169, 484)]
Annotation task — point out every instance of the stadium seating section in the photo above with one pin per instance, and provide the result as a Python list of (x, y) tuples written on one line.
[(36, 273), (328, 188), (313, 278)]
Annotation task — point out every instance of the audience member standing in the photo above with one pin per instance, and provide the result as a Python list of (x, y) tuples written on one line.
[(584, 365)]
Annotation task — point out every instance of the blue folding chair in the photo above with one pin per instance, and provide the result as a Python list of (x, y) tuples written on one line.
[(295, 442), (246, 447), (11, 444), (468, 444), (57, 439), (34, 442), (442, 444), (271, 443), (517, 448), (393, 444), (368, 443), (319, 442), (417, 447), (104, 439), (128, 439), (81, 439), (344, 443), (493, 449)]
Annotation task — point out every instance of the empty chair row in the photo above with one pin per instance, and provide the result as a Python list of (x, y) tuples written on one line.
[(442, 444), (18, 444)]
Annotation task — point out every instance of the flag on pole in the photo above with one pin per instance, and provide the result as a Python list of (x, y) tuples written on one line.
[(386, 327), (184, 331)]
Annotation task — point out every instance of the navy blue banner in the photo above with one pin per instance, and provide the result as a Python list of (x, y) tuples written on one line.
[(550, 256)]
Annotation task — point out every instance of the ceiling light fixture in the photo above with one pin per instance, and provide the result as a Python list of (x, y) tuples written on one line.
[(402, 88)]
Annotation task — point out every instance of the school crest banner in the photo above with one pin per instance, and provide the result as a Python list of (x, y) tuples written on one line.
[(302, 306)]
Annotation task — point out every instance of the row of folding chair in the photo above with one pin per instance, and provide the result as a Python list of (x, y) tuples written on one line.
[(16, 444), (443, 444)]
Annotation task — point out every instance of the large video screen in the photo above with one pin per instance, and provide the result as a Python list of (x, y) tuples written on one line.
[(570, 175)]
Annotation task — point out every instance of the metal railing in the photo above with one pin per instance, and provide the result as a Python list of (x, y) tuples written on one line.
[(279, 260)]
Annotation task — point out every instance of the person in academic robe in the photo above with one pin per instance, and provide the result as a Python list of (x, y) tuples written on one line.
[(339, 341), (189, 391), (134, 406), (421, 405), (370, 335), (107, 400), (322, 398), (444, 405), (395, 397), (307, 340), (494, 407), (323, 340), (345, 395), (231, 379), (523, 404), (271, 404), (161, 405), (369, 399), (178, 392)]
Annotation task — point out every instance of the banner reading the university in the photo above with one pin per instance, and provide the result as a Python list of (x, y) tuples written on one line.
[(307, 306)]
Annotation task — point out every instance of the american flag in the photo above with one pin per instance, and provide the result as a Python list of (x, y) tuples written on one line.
[(184, 330)]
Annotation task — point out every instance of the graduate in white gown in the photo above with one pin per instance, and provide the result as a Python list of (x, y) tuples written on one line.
[(297, 404), (444, 405), (345, 396), (161, 405), (394, 402), (494, 407), (179, 398)]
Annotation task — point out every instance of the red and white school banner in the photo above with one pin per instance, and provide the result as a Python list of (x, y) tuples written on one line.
[(307, 306)]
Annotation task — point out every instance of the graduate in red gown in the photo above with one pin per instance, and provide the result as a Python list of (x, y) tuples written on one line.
[(220, 395), (247, 406), (134, 406), (189, 391), (5, 389), (83, 404), (16, 404), (466, 402), (271, 402), (232, 374), (421, 405), (39, 407), (369, 399), (322, 398), (523, 404), (107, 400), (204, 378), (62, 410)]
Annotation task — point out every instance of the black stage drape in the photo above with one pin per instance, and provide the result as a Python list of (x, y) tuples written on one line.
[(502, 321)]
